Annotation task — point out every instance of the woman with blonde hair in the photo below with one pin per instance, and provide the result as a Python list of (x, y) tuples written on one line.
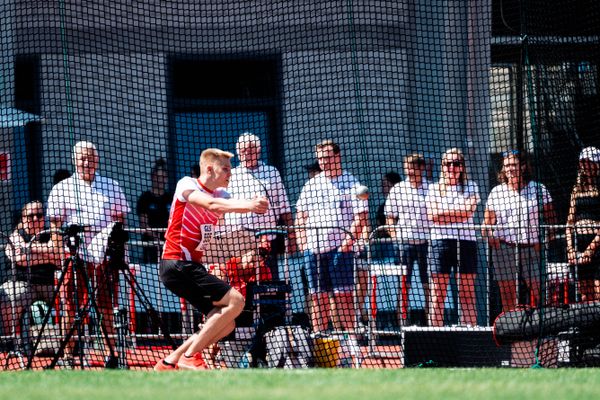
[(451, 204), (583, 232)]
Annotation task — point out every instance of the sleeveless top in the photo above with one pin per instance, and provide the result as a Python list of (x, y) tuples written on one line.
[(191, 227), (40, 274), (587, 207)]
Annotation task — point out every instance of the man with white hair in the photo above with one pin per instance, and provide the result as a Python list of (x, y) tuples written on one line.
[(254, 178), (93, 202)]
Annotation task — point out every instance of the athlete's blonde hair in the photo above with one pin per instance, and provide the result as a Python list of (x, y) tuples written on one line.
[(212, 156)]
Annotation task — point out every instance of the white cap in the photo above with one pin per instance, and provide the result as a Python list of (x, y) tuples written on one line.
[(361, 190), (591, 154)]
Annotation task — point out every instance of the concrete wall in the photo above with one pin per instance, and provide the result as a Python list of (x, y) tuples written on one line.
[(116, 101), (385, 78)]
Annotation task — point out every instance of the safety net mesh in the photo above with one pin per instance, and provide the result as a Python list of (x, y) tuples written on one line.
[(411, 183)]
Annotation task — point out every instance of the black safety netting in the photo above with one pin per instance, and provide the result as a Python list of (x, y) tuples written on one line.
[(395, 184)]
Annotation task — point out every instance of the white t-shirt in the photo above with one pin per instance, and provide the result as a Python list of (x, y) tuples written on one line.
[(455, 198), (265, 180), (518, 213), (77, 202), (330, 204), (407, 204)]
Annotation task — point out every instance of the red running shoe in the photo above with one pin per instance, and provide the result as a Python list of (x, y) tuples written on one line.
[(161, 366), (192, 363)]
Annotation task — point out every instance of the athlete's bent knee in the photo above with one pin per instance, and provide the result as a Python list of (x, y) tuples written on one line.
[(236, 301)]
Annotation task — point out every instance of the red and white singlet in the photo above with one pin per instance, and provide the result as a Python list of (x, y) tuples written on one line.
[(191, 227)]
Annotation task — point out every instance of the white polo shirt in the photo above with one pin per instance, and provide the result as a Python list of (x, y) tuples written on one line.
[(455, 198), (407, 204), (518, 213), (265, 180), (77, 202), (331, 205)]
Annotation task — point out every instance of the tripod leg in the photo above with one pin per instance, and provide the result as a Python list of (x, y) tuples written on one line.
[(79, 268), (65, 341), (74, 265), (152, 313), (105, 293)]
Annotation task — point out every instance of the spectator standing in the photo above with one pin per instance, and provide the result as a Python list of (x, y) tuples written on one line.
[(451, 204), (583, 232), (388, 181), (153, 210), (254, 178), (406, 208), (515, 207), (94, 202), (335, 217)]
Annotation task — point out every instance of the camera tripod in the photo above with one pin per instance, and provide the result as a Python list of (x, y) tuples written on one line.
[(75, 266), (114, 261), (113, 264)]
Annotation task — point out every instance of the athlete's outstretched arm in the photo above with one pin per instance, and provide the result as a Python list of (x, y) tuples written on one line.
[(258, 205)]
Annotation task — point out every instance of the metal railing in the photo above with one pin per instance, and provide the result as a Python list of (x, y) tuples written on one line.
[(556, 275)]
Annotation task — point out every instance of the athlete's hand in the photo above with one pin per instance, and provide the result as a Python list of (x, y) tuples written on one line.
[(260, 205)]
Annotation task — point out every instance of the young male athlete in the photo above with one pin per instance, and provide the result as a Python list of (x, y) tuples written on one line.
[(195, 211)]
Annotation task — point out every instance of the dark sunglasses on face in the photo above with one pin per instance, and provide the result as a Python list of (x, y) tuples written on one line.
[(38, 215), (454, 163), (417, 164)]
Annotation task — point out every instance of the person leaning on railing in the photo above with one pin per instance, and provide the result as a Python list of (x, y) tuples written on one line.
[(35, 257), (514, 207), (406, 208), (451, 204), (583, 233), (335, 212)]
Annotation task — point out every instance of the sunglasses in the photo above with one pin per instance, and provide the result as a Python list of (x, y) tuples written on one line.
[(36, 215), (454, 163)]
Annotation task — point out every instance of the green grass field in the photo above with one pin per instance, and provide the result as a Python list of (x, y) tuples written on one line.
[(305, 384)]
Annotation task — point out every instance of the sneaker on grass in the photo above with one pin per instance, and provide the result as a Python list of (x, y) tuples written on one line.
[(161, 365), (194, 363)]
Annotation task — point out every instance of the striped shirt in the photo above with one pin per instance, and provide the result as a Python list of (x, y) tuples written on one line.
[(191, 227)]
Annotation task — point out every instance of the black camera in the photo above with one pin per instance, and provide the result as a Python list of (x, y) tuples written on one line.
[(115, 249), (71, 236)]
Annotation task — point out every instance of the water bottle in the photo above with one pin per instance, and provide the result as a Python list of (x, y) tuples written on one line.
[(355, 353), (345, 353), (246, 360)]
